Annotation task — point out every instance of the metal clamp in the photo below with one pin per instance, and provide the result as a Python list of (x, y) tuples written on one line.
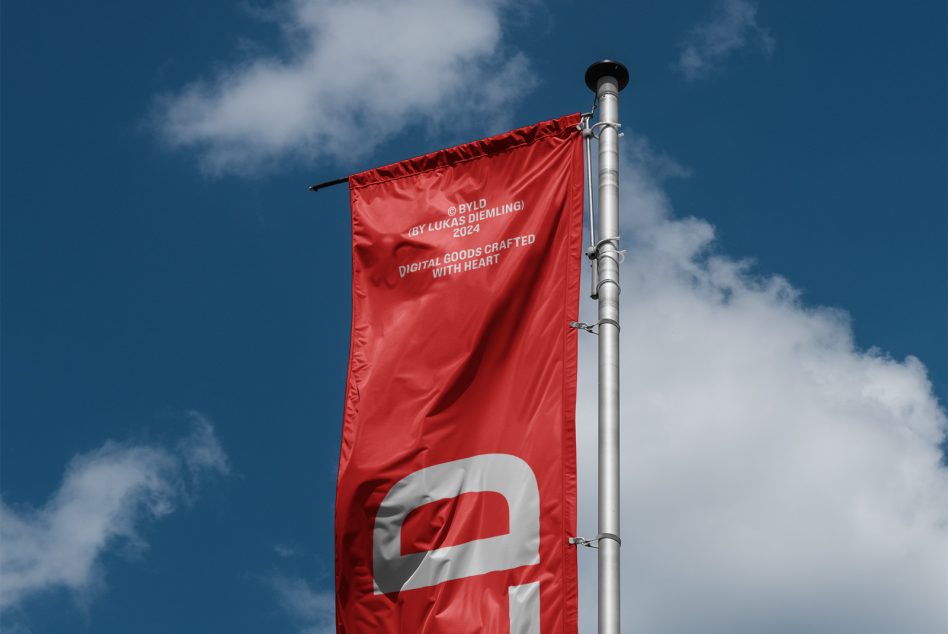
[(593, 252), (605, 281), (583, 125), (580, 325), (594, 542), (596, 129)]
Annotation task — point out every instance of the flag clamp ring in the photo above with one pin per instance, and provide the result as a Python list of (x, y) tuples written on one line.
[(589, 543), (607, 281), (597, 128), (590, 328), (593, 252)]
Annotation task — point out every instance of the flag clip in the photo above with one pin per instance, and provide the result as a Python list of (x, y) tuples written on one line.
[(594, 542), (590, 328), (581, 325), (584, 124), (593, 252)]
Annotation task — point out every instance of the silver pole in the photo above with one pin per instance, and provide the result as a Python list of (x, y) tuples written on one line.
[(607, 78)]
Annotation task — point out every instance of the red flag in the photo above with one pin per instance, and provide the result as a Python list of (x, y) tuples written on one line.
[(457, 476)]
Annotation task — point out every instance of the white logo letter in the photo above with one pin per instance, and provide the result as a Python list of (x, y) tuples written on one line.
[(499, 473)]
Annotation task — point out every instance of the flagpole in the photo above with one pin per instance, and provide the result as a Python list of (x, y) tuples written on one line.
[(607, 78)]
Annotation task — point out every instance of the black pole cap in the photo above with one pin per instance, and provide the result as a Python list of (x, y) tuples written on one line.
[(607, 68)]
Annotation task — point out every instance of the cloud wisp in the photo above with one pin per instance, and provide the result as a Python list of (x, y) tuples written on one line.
[(356, 74), (105, 497), (312, 611), (732, 27), (775, 477)]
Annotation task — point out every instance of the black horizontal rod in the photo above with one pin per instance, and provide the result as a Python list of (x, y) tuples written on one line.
[(338, 181)]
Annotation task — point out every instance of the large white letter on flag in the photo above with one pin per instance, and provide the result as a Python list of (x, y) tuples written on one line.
[(457, 475)]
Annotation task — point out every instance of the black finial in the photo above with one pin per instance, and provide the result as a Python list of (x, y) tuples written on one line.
[(606, 68)]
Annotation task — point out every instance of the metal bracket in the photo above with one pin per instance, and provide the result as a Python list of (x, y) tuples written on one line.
[(581, 325), (604, 282), (583, 125), (596, 129), (594, 542), (592, 252)]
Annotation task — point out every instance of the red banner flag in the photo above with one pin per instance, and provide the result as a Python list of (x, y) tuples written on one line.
[(457, 476)]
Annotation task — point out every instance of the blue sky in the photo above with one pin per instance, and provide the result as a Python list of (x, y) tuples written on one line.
[(175, 305)]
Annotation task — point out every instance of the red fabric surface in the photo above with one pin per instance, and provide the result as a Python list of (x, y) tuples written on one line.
[(455, 520), (452, 363)]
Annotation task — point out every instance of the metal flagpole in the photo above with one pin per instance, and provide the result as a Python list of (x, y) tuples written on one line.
[(606, 78)]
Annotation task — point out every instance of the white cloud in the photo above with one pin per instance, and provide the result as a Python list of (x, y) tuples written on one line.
[(286, 552), (356, 73), (775, 477), (312, 611), (732, 27), (105, 496)]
